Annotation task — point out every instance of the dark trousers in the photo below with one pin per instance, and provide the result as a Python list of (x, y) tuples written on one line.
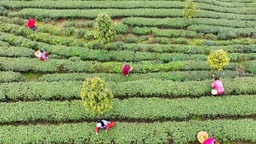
[(33, 28)]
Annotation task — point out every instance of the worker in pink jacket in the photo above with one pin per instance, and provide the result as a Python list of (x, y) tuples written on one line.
[(104, 125), (203, 138), (41, 54), (126, 69), (217, 86)]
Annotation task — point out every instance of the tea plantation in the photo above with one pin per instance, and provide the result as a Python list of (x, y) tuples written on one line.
[(165, 99)]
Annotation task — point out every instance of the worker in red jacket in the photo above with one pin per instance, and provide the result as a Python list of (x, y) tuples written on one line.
[(31, 24), (126, 69), (104, 125), (42, 55)]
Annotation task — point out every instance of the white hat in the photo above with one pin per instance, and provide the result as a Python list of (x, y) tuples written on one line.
[(98, 124)]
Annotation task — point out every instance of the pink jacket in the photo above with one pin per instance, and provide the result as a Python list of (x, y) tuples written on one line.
[(126, 69), (209, 141), (218, 85)]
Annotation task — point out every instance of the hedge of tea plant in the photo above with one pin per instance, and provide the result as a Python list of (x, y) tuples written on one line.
[(10, 76), (151, 109), (197, 46), (142, 88), (175, 76), (23, 64), (123, 5), (123, 132), (120, 13), (180, 23), (201, 48), (39, 36), (136, 109), (118, 56)]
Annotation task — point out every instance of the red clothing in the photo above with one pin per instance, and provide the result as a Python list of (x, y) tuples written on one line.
[(44, 56), (218, 85), (126, 69), (106, 125), (31, 22)]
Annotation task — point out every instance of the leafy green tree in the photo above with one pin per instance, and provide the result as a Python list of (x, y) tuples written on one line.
[(217, 59), (190, 10), (104, 29), (95, 96)]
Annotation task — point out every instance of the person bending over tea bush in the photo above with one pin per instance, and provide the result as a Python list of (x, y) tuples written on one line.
[(31, 24), (41, 54), (203, 138), (217, 86), (103, 124), (126, 69)]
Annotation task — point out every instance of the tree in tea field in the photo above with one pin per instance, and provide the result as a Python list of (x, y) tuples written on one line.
[(95, 96), (190, 10), (104, 28), (218, 59)]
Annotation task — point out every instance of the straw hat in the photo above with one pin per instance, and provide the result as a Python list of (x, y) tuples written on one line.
[(202, 136), (38, 54)]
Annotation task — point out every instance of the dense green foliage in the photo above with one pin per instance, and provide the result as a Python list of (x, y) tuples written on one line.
[(218, 59), (96, 98), (142, 88), (9, 76), (175, 76), (157, 132), (132, 109), (190, 10), (165, 99), (104, 28)]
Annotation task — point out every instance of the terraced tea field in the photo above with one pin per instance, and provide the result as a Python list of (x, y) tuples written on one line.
[(166, 98)]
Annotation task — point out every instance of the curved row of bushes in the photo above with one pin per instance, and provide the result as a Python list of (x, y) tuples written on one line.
[(120, 13), (9, 76), (175, 76), (157, 132), (224, 32), (120, 56), (68, 29), (100, 55), (131, 109), (122, 5), (39, 36), (200, 47), (11, 51), (197, 46), (229, 3), (196, 31), (143, 88), (181, 23), (74, 64)]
